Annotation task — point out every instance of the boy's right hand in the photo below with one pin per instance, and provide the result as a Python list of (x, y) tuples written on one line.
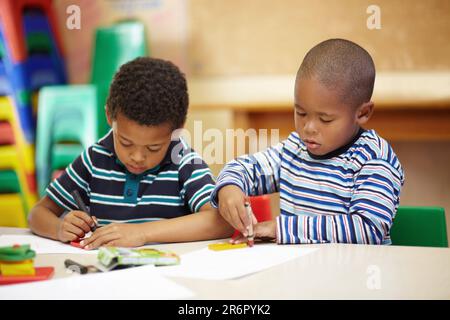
[(232, 209), (74, 226)]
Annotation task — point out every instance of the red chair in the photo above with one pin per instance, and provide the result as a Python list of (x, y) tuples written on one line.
[(57, 173), (11, 13), (261, 209), (6, 133)]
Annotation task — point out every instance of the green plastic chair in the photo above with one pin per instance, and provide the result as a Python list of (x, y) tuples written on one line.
[(64, 154), (114, 46), (9, 182), (38, 42), (419, 226), (61, 107)]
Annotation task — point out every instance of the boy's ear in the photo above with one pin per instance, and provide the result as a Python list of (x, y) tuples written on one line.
[(108, 117), (364, 112)]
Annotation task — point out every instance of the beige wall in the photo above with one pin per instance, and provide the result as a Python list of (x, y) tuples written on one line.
[(271, 37)]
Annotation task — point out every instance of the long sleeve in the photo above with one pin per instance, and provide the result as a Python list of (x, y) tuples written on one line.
[(255, 174), (370, 213)]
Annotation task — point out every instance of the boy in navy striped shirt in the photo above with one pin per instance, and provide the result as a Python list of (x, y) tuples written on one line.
[(337, 181), (141, 182)]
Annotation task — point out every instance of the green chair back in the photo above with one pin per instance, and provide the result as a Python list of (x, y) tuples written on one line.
[(76, 104), (64, 154), (419, 226), (114, 46), (39, 42), (9, 182)]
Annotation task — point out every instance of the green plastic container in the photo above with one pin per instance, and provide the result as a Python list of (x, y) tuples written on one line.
[(419, 226)]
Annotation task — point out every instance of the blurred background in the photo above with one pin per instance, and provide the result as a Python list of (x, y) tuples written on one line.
[(240, 59)]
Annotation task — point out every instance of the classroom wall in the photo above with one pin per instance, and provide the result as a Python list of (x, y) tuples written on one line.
[(271, 37)]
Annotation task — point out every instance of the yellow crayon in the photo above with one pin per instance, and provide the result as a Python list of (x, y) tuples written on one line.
[(226, 246)]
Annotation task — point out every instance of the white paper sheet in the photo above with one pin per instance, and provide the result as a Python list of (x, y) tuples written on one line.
[(230, 264), (139, 283), (42, 245)]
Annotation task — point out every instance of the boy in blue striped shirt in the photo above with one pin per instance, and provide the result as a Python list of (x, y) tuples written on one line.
[(337, 182), (141, 181)]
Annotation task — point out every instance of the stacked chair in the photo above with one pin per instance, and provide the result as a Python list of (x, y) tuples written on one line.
[(31, 54), (67, 124), (30, 58), (17, 170)]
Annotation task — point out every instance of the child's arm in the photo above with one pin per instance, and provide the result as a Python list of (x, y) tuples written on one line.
[(204, 225), (44, 220), (44, 216), (370, 214), (246, 176)]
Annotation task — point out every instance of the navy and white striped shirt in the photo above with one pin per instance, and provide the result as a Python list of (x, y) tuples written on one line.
[(115, 195), (351, 196)]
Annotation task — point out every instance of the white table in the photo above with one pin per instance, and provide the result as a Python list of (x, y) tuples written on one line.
[(334, 271)]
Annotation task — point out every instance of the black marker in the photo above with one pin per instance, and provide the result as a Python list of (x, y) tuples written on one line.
[(82, 206), (78, 267)]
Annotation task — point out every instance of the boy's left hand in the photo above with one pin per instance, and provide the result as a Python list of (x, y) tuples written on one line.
[(265, 231), (115, 235)]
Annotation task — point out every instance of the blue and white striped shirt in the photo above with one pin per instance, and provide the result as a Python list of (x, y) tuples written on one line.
[(350, 196), (115, 195)]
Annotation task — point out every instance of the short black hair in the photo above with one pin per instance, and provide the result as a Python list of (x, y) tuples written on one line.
[(149, 91), (341, 65)]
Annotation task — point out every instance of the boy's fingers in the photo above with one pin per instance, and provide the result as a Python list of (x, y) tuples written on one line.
[(101, 241), (100, 232), (80, 223), (71, 228), (68, 236), (239, 239), (85, 217), (236, 219), (243, 215)]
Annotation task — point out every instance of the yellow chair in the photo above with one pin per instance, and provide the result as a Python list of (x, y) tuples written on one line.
[(25, 150), (12, 210), (9, 160)]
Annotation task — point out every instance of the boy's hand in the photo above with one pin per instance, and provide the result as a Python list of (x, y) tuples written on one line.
[(265, 231), (232, 209), (115, 235), (74, 226)]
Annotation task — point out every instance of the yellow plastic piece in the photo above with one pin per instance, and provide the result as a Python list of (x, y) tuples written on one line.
[(12, 211), (226, 246), (21, 268), (9, 159)]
